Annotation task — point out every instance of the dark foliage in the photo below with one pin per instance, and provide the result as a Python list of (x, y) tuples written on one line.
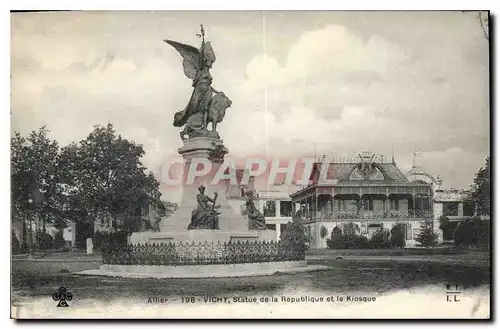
[(59, 240), (380, 240), (15, 245), (45, 241), (294, 237), (472, 232), (397, 236), (347, 242), (336, 232), (112, 240), (426, 237), (481, 189), (101, 176)]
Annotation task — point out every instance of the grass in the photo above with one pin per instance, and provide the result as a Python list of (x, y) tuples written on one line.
[(393, 252), (31, 279)]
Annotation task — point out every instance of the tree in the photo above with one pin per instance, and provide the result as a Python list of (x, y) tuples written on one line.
[(34, 175), (336, 232), (426, 237), (105, 179), (397, 236), (294, 237), (465, 233), (483, 232), (59, 240), (472, 232), (481, 190)]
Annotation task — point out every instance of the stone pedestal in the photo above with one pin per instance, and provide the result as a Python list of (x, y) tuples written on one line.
[(202, 236), (232, 226)]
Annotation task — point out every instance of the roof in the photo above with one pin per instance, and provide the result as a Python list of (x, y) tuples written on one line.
[(345, 172)]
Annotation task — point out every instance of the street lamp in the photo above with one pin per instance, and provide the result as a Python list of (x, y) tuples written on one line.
[(30, 201)]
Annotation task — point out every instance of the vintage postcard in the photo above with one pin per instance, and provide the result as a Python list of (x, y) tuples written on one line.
[(250, 164)]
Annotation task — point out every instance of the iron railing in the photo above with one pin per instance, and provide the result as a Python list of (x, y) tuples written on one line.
[(199, 253), (367, 215)]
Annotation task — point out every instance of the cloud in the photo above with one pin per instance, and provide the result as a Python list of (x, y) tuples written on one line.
[(347, 93), (338, 86)]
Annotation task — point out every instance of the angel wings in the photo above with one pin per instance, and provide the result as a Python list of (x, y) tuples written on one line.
[(194, 60)]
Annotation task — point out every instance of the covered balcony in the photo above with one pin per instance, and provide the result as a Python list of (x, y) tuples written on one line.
[(408, 205)]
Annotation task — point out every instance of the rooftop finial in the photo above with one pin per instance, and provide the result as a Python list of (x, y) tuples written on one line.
[(417, 163)]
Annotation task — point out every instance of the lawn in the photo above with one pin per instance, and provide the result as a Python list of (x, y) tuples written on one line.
[(42, 278), (397, 252)]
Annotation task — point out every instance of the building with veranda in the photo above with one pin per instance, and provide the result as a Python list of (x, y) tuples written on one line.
[(361, 196)]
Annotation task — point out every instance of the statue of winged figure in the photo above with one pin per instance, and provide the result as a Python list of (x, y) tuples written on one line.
[(206, 104)]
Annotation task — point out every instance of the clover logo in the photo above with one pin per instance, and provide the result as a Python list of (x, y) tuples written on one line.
[(62, 296)]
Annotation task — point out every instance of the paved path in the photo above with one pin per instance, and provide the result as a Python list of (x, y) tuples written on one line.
[(441, 259), (59, 257), (184, 272)]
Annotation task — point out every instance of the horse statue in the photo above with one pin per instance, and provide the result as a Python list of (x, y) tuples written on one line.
[(206, 104), (196, 125)]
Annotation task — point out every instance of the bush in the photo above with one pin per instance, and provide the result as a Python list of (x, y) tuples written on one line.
[(472, 232), (380, 240), (45, 241), (444, 223), (294, 238), (347, 242), (426, 238), (336, 232), (119, 238), (361, 242), (59, 241), (397, 236)]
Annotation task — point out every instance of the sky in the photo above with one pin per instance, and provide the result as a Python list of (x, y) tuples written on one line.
[(302, 83)]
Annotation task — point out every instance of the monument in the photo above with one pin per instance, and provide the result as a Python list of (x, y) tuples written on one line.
[(204, 237), (203, 213)]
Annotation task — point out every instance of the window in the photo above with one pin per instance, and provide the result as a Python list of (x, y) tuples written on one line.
[(468, 208), (450, 208), (367, 204), (349, 229), (270, 209), (394, 204), (422, 202), (286, 208)]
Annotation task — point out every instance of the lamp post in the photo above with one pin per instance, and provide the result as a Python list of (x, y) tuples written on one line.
[(30, 250)]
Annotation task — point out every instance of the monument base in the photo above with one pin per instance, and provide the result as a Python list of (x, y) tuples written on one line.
[(204, 271), (202, 236)]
